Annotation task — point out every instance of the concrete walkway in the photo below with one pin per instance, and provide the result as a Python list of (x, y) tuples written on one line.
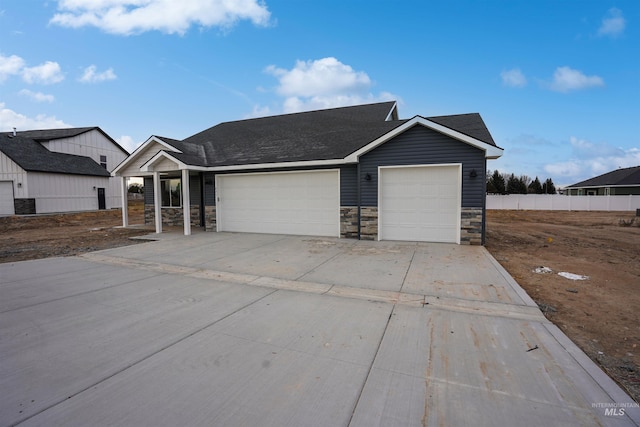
[(224, 329)]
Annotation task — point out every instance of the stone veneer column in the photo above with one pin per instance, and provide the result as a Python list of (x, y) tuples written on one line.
[(471, 226), (349, 222), (210, 218), (368, 223)]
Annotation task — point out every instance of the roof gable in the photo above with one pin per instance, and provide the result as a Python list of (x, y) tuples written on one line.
[(619, 177), (31, 156), (42, 135)]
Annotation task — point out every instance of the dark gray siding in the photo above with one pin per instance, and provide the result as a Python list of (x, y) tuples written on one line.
[(422, 146), (349, 185), (194, 189), (209, 189)]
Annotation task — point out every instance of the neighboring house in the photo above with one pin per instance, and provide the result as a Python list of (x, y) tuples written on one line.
[(620, 182), (58, 170), (356, 172)]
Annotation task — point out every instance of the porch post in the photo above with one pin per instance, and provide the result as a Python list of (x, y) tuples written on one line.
[(186, 203), (157, 201), (125, 206)]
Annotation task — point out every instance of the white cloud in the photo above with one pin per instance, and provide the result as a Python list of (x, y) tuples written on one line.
[(91, 76), (128, 143), (566, 79), (593, 159), (323, 83), (37, 96), (136, 16), (513, 78), (613, 23), (47, 73), (10, 119), (10, 65)]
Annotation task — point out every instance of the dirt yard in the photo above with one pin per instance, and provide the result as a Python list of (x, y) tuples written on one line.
[(600, 314), (43, 236)]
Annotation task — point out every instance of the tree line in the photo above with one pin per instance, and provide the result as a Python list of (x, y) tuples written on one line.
[(504, 183)]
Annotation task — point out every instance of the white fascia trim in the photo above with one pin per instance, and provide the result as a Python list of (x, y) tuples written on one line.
[(141, 148), (162, 155), (491, 151), (311, 163)]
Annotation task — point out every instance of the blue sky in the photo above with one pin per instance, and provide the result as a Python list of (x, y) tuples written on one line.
[(557, 82)]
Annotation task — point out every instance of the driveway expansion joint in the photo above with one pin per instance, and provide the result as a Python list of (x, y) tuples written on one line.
[(475, 307)]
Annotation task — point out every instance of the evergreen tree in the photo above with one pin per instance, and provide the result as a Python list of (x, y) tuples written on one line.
[(512, 184), (523, 181), (498, 183), (490, 188), (535, 187), (548, 187)]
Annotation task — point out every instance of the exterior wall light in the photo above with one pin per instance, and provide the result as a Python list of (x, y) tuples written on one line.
[(367, 177), (473, 173)]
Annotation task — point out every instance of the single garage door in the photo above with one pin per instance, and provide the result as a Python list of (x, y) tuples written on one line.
[(420, 203), (6, 198), (301, 203)]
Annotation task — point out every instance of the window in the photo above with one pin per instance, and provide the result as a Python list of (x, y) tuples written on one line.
[(171, 193), (103, 161)]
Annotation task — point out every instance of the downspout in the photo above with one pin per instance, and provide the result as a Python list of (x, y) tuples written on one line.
[(358, 196), (202, 204)]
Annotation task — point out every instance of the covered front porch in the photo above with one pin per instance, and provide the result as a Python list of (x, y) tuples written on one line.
[(172, 196)]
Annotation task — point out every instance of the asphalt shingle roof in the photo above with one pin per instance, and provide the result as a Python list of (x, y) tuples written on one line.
[(314, 135), (626, 176), (31, 156)]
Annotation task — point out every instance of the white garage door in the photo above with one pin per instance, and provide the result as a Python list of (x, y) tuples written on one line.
[(6, 198), (420, 203), (302, 203)]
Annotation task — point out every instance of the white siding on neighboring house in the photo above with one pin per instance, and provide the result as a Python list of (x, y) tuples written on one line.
[(10, 171), (91, 144), (64, 193), (6, 198)]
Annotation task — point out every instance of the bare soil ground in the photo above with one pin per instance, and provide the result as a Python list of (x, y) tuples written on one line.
[(42, 236), (600, 314)]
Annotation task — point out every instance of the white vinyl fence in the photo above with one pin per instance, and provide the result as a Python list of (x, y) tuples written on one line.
[(552, 202)]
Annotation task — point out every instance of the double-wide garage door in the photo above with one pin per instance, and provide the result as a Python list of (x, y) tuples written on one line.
[(302, 203), (420, 203)]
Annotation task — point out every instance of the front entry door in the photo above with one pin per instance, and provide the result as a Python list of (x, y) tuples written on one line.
[(102, 201)]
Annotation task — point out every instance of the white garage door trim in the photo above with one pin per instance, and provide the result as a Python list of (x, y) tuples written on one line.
[(291, 202), (395, 220), (6, 198)]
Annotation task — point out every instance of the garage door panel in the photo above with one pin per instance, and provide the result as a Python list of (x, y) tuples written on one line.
[(303, 203), (420, 203)]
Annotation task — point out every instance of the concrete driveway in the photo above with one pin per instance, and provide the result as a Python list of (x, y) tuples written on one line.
[(224, 329)]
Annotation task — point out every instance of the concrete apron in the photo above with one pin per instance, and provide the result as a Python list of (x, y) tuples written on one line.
[(242, 329)]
